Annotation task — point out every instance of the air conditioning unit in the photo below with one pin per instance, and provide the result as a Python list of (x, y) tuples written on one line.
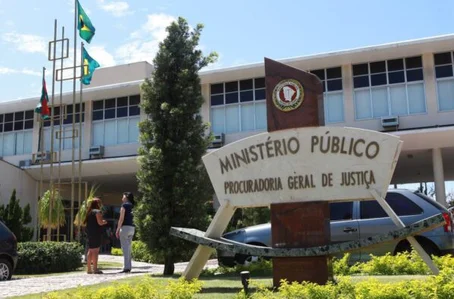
[(96, 152), (42, 157), (390, 122), (25, 163), (218, 140)]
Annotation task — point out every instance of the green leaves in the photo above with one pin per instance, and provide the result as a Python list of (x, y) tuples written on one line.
[(16, 218), (172, 180)]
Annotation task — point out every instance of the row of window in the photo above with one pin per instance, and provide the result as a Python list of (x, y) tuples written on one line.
[(67, 114), (444, 73), (16, 143), (116, 108), (17, 121), (382, 88)]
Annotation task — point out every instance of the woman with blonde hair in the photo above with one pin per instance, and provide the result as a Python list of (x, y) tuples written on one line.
[(94, 228)]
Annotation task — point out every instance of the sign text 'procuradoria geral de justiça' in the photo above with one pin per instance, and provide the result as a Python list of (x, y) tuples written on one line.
[(302, 160)]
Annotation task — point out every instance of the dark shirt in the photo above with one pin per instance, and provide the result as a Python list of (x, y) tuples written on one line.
[(93, 228), (128, 214)]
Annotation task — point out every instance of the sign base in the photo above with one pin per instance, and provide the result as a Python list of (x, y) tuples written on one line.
[(316, 269), (300, 225)]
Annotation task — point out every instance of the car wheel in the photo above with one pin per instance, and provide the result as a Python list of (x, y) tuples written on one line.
[(6, 270), (428, 247)]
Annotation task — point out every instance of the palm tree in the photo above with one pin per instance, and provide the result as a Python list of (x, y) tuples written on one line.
[(57, 211), (80, 216)]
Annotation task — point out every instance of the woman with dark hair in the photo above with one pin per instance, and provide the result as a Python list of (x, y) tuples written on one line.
[(94, 227), (126, 229)]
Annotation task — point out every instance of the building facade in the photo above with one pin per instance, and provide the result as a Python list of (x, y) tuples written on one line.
[(405, 88)]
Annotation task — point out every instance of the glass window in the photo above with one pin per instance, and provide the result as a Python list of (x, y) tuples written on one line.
[(389, 99), (246, 84), (334, 73), (217, 100), (360, 69), (98, 105), (341, 211), (231, 86), (400, 204), (259, 83), (217, 88), (442, 58), (395, 65), (319, 73), (377, 67)]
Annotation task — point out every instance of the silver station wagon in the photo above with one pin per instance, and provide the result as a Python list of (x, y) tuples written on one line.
[(362, 219)]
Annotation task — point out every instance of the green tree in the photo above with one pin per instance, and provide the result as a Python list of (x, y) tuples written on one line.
[(173, 182), (16, 218)]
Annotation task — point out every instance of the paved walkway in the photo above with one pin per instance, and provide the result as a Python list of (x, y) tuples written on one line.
[(35, 285)]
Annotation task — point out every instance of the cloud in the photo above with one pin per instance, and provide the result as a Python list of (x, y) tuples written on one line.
[(25, 71), (26, 42), (100, 54), (144, 43), (116, 8)]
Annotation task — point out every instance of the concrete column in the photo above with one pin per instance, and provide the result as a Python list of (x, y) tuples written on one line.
[(349, 104), (87, 127), (430, 84), (439, 177)]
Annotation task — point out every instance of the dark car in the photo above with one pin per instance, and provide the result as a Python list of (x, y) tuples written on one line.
[(8, 252)]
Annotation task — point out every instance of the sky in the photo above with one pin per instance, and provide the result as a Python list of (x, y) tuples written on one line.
[(240, 31)]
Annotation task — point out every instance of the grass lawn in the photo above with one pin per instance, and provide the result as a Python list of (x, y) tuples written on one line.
[(222, 286), (101, 265)]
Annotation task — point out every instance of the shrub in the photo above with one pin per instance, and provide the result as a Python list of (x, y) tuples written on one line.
[(146, 288), (48, 257), (435, 287), (116, 251), (140, 253)]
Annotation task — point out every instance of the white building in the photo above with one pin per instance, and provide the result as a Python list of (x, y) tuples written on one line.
[(404, 88)]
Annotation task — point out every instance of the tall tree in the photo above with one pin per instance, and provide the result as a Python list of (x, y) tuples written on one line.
[(173, 182)]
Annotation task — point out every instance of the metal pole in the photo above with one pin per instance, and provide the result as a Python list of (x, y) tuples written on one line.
[(41, 148), (60, 141), (71, 237), (51, 184), (81, 113)]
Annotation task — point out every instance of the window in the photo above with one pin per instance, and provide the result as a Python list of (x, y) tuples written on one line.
[(238, 106), (392, 87), (341, 211), (116, 121), (444, 74), (68, 113), (400, 204), (332, 93), (16, 133)]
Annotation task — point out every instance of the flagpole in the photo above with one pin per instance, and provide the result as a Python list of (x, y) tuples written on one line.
[(40, 149), (52, 131), (80, 135), (60, 141), (73, 123)]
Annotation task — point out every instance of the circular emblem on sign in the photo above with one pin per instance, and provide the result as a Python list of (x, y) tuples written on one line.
[(288, 95)]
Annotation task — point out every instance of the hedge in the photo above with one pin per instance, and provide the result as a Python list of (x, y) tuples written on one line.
[(48, 257)]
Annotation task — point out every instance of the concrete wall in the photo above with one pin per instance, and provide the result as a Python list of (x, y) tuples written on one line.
[(12, 178)]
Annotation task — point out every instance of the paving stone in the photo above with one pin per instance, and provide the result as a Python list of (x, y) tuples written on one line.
[(35, 285)]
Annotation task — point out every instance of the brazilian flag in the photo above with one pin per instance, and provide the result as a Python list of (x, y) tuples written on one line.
[(88, 67), (84, 25)]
